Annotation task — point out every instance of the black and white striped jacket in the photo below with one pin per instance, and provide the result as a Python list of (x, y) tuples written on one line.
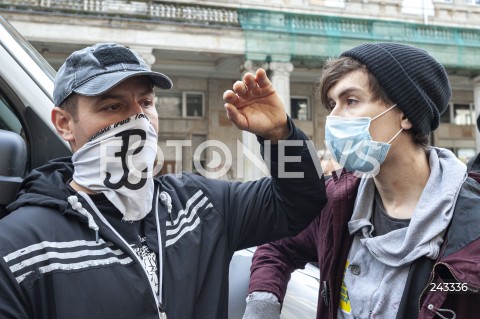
[(57, 262)]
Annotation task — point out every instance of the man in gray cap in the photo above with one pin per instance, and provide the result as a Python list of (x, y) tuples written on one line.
[(400, 235), (96, 236)]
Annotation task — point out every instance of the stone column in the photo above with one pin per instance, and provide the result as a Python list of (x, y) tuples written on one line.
[(476, 101), (281, 81), (146, 53)]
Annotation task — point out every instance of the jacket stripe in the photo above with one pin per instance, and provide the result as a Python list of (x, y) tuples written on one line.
[(187, 219), (76, 266), (49, 244), (47, 256), (183, 232), (67, 255), (183, 212)]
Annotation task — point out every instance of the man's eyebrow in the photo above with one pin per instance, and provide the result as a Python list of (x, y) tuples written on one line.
[(351, 90)]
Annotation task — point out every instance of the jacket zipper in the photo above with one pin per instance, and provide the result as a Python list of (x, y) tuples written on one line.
[(160, 256), (97, 212), (431, 278), (325, 293)]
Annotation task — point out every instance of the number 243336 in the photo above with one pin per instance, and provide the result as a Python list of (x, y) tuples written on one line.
[(451, 287)]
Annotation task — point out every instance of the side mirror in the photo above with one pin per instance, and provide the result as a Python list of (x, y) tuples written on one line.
[(13, 158)]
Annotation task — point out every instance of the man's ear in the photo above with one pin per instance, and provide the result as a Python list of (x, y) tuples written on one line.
[(62, 120), (405, 123)]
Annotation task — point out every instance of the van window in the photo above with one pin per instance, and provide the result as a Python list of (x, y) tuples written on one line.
[(8, 119)]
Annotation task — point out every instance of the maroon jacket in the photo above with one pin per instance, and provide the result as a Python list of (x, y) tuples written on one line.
[(327, 241)]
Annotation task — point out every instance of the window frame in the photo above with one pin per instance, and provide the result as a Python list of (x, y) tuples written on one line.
[(451, 112), (471, 107), (184, 106), (473, 2), (309, 107)]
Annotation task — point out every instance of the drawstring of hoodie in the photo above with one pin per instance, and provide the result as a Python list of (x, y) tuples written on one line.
[(167, 201), (164, 198), (438, 312), (76, 205)]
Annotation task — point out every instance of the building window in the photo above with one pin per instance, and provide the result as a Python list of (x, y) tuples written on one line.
[(300, 108), (474, 2), (463, 114), (459, 114), (169, 104), (180, 104), (194, 104), (8, 119)]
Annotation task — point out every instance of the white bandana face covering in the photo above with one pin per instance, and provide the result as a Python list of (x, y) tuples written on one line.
[(118, 161)]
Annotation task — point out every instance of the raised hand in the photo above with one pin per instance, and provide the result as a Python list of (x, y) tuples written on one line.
[(254, 106)]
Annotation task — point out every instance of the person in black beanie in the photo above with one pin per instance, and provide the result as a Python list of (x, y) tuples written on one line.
[(400, 235)]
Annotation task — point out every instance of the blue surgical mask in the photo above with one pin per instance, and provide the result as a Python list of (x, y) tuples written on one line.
[(350, 143)]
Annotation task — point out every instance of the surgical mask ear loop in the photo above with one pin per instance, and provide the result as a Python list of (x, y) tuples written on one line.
[(389, 142), (383, 112), (401, 129)]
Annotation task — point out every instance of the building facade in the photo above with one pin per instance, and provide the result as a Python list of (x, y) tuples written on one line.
[(205, 46)]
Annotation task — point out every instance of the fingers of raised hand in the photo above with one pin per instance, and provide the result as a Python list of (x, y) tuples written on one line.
[(248, 84), (240, 92), (234, 115), (253, 86), (250, 81), (262, 79), (229, 96)]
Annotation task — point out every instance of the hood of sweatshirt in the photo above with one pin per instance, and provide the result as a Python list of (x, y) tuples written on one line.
[(429, 221), (46, 186)]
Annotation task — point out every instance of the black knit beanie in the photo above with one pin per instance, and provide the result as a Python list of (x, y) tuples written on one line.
[(412, 79)]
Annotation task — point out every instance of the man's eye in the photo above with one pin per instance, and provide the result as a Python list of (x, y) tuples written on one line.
[(113, 107), (351, 101), (146, 103)]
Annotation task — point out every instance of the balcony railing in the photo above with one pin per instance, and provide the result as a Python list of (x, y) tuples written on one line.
[(144, 10), (293, 24)]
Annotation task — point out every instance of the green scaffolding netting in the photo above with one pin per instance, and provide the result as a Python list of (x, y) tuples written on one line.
[(288, 36)]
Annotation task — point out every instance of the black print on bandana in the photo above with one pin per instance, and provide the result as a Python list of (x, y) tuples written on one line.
[(122, 154)]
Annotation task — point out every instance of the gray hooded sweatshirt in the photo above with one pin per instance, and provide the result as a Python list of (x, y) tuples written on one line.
[(377, 267)]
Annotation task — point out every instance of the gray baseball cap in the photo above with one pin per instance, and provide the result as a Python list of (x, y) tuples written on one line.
[(96, 69)]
